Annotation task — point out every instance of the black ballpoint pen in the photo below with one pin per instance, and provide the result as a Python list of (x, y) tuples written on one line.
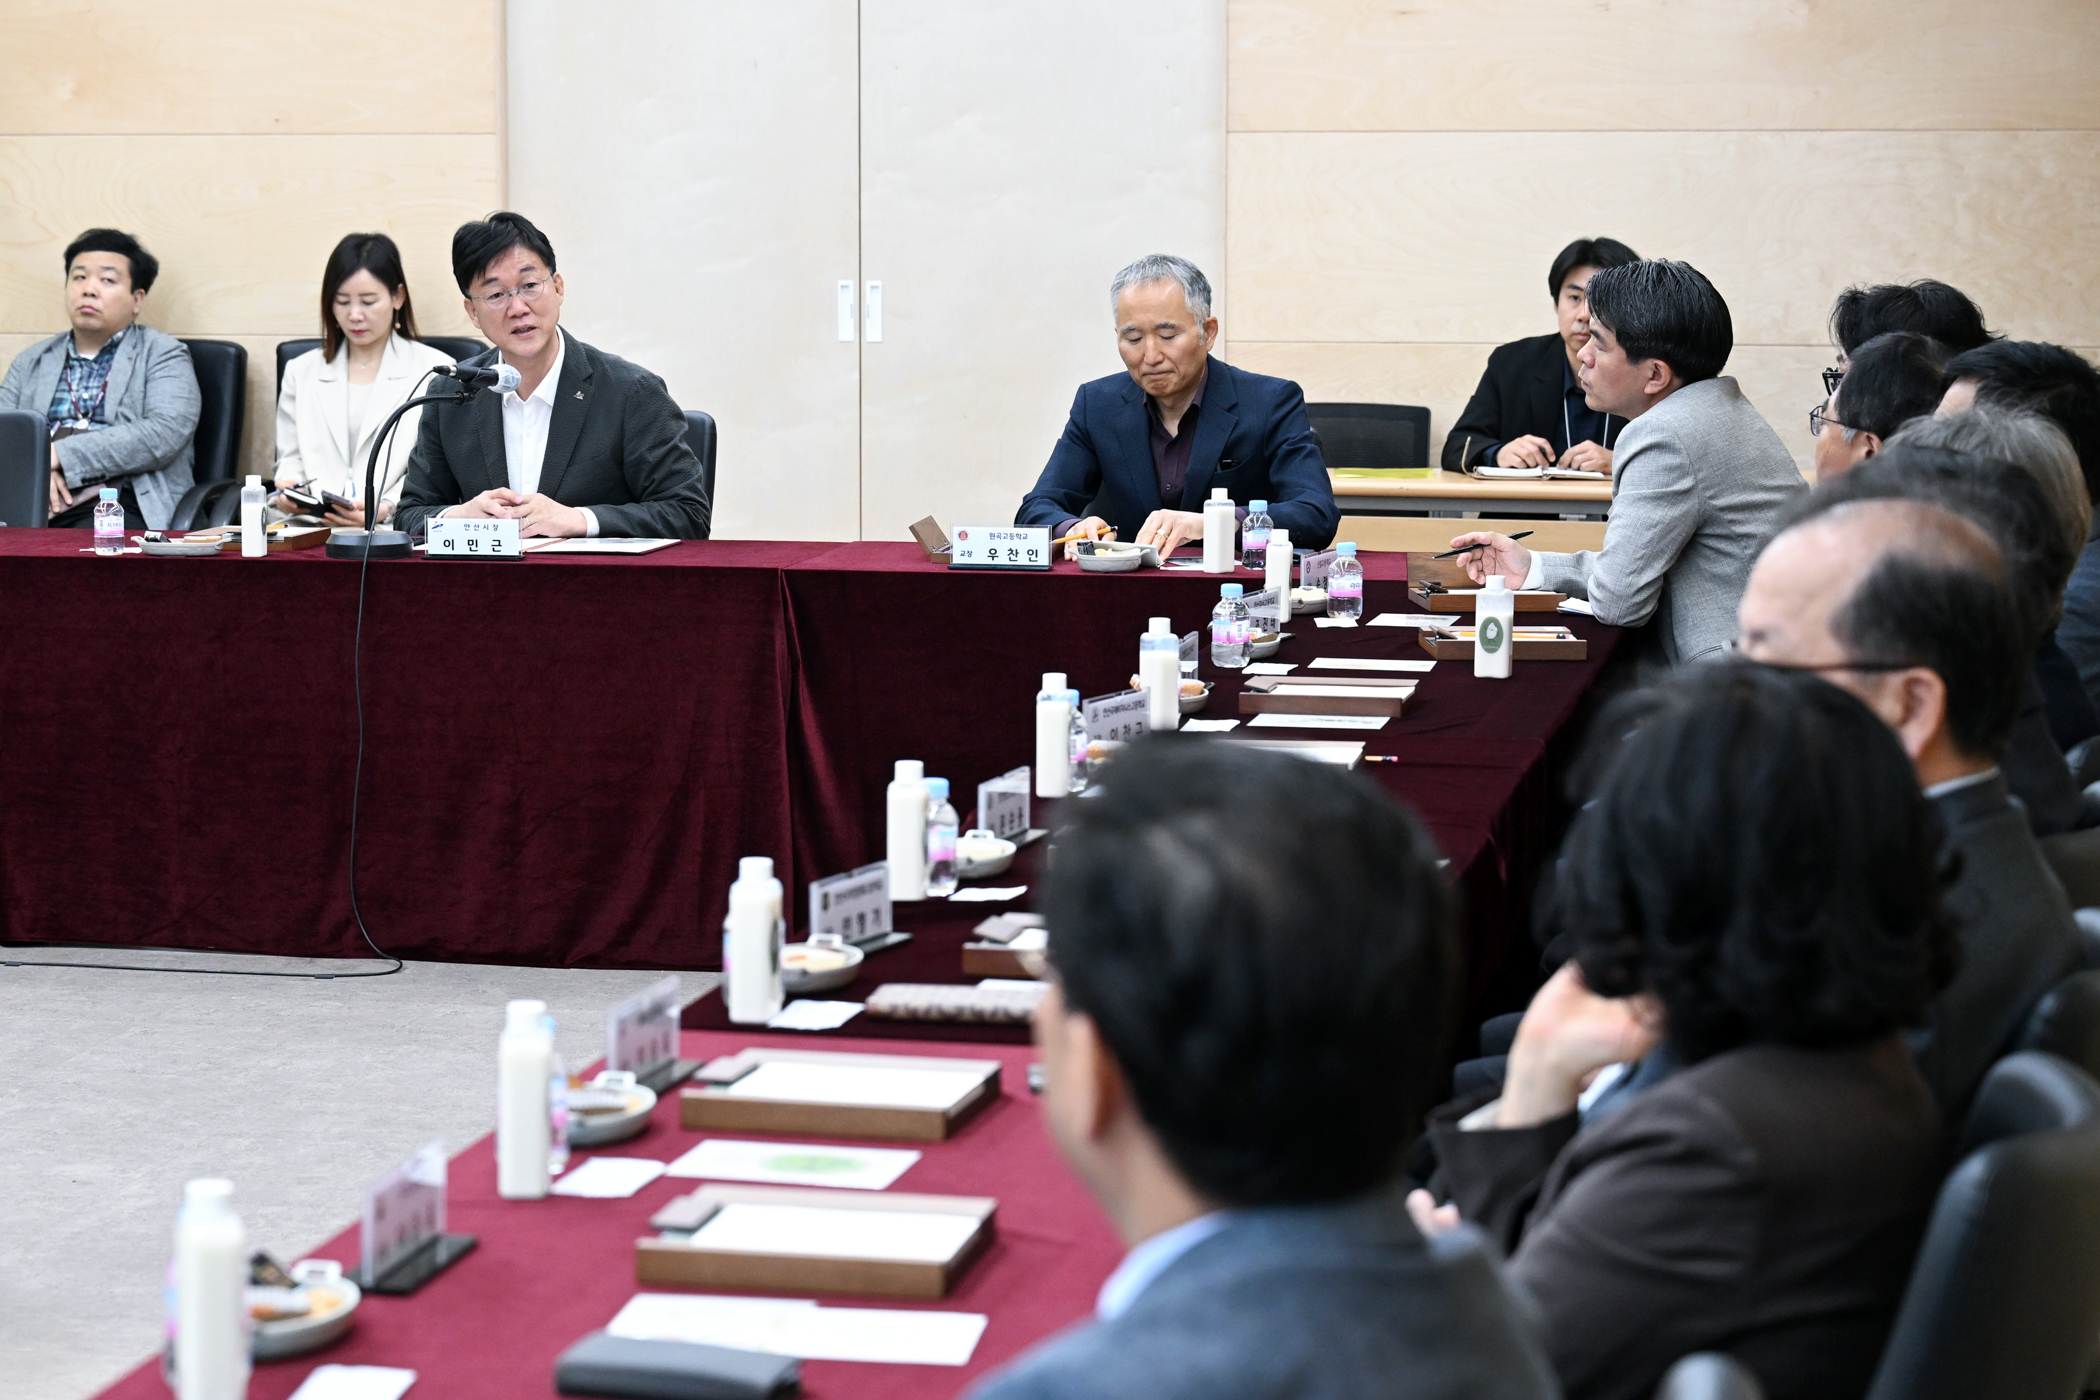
[(1454, 553)]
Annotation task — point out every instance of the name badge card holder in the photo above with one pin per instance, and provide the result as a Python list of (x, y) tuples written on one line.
[(1022, 547), (1314, 568), (474, 539), (1114, 719), (641, 1037), (856, 907), (1002, 805), (1267, 605), (404, 1239)]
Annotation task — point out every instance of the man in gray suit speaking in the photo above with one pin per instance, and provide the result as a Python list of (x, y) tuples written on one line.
[(1254, 967), (587, 444), (1699, 479)]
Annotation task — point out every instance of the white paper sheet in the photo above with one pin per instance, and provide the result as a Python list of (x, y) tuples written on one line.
[(1341, 692), (608, 1178), (600, 546), (1271, 668), (987, 894), (1208, 726), (809, 1015), (1030, 940), (798, 1327), (1334, 622), (828, 1232), (333, 1382), (1366, 663), (1430, 620), (795, 1164), (1272, 720), (857, 1084), (1576, 605)]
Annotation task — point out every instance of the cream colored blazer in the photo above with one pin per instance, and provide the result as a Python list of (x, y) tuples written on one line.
[(312, 419)]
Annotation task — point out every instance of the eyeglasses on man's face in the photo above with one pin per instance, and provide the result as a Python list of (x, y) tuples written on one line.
[(527, 292), (1819, 418), (1832, 377)]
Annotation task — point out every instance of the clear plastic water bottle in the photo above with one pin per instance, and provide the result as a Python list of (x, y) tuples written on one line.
[(941, 827), (109, 523), (1230, 632), (1254, 536), (1078, 744), (1345, 584), (557, 1107)]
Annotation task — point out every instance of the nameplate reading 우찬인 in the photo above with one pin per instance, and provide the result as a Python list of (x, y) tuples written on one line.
[(1001, 547)]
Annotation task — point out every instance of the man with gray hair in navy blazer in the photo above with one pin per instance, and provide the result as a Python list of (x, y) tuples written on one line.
[(1143, 451)]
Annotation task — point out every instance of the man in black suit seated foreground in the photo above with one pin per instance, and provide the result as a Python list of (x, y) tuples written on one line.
[(1910, 608), (1253, 974), (588, 444), (1529, 410)]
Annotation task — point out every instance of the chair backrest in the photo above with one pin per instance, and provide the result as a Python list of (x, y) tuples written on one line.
[(222, 378), (2075, 857), (700, 436), (2088, 936), (25, 492), (2066, 1022), (1371, 435), (206, 504), (1709, 1375), (2004, 1299), (459, 347)]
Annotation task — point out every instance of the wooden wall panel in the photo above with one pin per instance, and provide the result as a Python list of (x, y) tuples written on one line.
[(263, 67), (1407, 236), (1670, 65)]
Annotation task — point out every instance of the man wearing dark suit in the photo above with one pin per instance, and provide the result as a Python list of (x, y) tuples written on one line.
[(1142, 452), (1910, 608), (588, 444), (1254, 962), (1529, 410)]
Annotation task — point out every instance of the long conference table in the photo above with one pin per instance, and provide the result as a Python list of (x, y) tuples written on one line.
[(565, 756)]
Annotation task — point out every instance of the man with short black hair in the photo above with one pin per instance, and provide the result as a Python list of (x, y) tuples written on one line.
[(1914, 610), (1891, 379), (1253, 977), (1529, 411), (587, 444), (2059, 384), (119, 400), (1924, 307), (1700, 477)]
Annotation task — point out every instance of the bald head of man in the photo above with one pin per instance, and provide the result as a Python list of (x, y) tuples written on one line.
[(1909, 607)]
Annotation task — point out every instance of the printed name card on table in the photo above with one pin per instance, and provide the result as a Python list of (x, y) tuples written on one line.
[(855, 905), (403, 1238), (1267, 604), (474, 539), (642, 1031), (1002, 803), (1116, 718), (1314, 568), (1001, 547)]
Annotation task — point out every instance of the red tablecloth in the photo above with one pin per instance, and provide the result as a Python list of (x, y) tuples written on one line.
[(547, 1272), (567, 755)]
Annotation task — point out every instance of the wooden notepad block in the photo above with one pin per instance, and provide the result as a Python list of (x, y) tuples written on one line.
[(993, 960), (1568, 648), (793, 1239), (1324, 695), (1448, 602), (916, 1098)]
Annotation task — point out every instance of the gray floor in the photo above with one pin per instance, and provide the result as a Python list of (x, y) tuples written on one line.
[(120, 1086)]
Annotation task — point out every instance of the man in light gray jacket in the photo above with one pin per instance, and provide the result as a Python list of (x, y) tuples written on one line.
[(1254, 965), (119, 399), (1699, 479)]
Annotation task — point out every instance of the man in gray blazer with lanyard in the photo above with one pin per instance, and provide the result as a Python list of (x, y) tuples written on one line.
[(119, 399), (588, 444), (1699, 479)]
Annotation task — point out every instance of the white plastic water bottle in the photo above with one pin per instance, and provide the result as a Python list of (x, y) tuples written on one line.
[(1217, 532), (1076, 742), (557, 1105), (941, 829), (1159, 676), (210, 1295), (109, 523), (1052, 729), (254, 543), (904, 830), (1230, 632), (1345, 583), (1254, 536), (752, 937), (524, 1055), (1494, 622)]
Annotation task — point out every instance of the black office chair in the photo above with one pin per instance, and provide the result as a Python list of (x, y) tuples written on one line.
[(2066, 1022), (700, 436), (2075, 857), (2088, 937), (222, 377), (459, 347), (2004, 1299), (1371, 435), (207, 504), (1709, 1375), (25, 492)]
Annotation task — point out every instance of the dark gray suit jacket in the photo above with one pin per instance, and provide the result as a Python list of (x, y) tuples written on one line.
[(2017, 941), (616, 443), (1766, 1202), (1305, 1303)]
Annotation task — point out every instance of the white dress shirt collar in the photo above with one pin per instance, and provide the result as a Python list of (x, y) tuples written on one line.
[(525, 424), (1150, 1259), (1966, 780)]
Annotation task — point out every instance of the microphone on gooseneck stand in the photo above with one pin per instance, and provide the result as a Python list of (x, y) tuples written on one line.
[(377, 543), (500, 377)]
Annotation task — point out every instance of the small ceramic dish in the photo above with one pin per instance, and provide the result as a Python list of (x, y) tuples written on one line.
[(1264, 647), (330, 1300), (820, 965), (980, 855), (612, 1108), (1193, 704), (1110, 558), (1307, 601)]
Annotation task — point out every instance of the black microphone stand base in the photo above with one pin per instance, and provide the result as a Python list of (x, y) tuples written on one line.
[(385, 544)]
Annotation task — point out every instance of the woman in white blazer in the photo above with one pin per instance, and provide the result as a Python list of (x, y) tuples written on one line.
[(335, 399)]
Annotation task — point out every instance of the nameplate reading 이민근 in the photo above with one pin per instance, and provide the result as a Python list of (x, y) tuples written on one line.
[(855, 905), (474, 539), (1001, 547), (1119, 717)]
